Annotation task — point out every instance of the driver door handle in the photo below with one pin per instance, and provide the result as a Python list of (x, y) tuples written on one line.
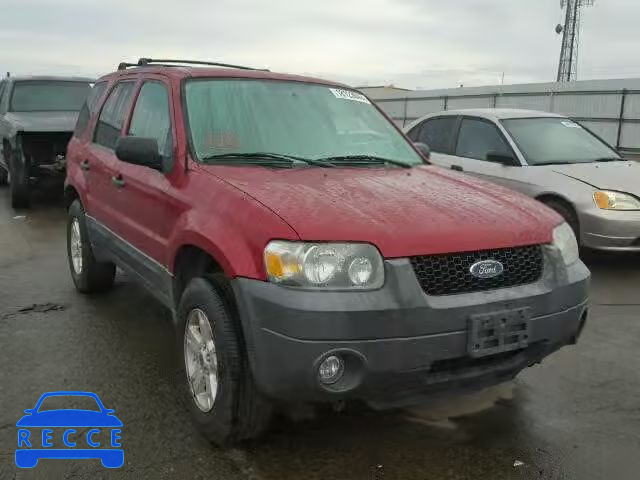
[(84, 165), (457, 168), (118, 181)]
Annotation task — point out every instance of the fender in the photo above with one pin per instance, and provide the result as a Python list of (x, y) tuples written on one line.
[(238, 251), (77, 181)]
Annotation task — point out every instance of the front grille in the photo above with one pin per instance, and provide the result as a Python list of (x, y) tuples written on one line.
[(449, 274)]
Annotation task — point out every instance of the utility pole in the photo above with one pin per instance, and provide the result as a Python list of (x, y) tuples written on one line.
[(568, 66)]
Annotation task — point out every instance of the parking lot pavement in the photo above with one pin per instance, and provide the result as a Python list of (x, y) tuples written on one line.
[(575, 416)]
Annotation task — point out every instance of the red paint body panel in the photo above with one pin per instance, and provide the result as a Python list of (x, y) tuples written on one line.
[(233, 212), (426, 210)]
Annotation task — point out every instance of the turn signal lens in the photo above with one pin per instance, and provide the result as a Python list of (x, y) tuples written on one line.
[(279, 267), (601, 199)]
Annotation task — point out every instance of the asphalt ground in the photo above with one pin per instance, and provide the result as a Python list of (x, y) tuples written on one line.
[(575, 416)]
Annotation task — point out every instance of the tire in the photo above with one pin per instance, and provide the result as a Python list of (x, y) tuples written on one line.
[(566, 212), (89, 275), (4, 170), (236, 411), (19, 184)]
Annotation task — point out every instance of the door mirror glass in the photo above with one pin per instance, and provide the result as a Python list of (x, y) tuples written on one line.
[(139, 151), (503, 158), (424, 149)]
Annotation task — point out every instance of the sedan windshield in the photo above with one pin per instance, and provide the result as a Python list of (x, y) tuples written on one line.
[(556, 140), (48, 96), (243, 117)]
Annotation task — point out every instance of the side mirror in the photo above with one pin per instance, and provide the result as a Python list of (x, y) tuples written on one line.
[(109, 411), (503, 158), (139, 151), (29, 411), (423, 148)]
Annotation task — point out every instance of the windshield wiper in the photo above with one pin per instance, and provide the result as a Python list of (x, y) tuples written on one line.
[(261, 158), (364, 160), (609, 159), (542, 164)]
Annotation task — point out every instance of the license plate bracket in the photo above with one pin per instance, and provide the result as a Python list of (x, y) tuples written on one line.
[(498, 332)]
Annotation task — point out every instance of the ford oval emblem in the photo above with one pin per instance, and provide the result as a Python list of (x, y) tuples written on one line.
[(486, 269)]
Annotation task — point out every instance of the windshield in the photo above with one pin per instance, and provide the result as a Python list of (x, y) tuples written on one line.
[(556, 140), (288, 118), (48, 96)]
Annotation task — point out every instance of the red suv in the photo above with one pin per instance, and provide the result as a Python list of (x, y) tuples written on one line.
[(307, 250)]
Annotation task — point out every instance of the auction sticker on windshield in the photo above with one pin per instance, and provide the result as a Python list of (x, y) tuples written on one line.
[(349, 95)]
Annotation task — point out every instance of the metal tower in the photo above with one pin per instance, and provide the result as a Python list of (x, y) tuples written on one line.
[(568, 67)]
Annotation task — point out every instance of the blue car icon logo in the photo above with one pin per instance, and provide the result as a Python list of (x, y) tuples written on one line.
[(84, 433)]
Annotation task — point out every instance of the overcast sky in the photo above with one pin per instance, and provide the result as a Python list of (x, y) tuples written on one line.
[(409, 43)]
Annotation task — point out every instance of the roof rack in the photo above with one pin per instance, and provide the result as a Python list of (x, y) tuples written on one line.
[(176, 63)]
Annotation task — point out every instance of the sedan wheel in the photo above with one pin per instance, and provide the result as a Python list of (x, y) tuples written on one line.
[(200, 359)]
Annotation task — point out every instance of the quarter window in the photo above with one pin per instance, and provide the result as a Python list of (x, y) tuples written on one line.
[(477, 138), (151, 118), (112, 115)]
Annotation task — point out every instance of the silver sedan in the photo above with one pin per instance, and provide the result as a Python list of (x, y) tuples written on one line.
[(548, 157)]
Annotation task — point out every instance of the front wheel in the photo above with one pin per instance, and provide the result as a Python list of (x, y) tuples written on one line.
[(218, 384), (567, 213), (88, 274), (19, 180), (4, 176)]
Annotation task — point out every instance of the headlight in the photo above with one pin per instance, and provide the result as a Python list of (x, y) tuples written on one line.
[(608, 200), (565, 241), (332, 266)]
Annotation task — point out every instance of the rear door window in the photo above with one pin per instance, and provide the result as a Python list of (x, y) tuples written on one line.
[(89, 107), (437, 133), (478, 137), (113, 114), (151, 118)]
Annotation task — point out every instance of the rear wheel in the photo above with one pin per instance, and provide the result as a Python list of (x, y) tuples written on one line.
[(89, 275), (218, 384)]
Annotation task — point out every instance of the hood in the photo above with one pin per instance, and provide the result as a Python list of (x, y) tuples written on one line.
[(425, 210), (69, 418), (42, 121), (619, 176)]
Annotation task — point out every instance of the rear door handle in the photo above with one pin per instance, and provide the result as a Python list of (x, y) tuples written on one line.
[(457, 168), (84, 165), (118, 181)]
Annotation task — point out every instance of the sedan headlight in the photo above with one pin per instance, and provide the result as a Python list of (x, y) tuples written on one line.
[(331, 266), (608, 200), (565, 241)]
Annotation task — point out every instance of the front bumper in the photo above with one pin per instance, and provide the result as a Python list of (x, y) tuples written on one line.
[(611, 230), (399, 344)]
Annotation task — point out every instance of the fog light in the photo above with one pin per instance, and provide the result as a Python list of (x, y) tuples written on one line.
[(331, 370)]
